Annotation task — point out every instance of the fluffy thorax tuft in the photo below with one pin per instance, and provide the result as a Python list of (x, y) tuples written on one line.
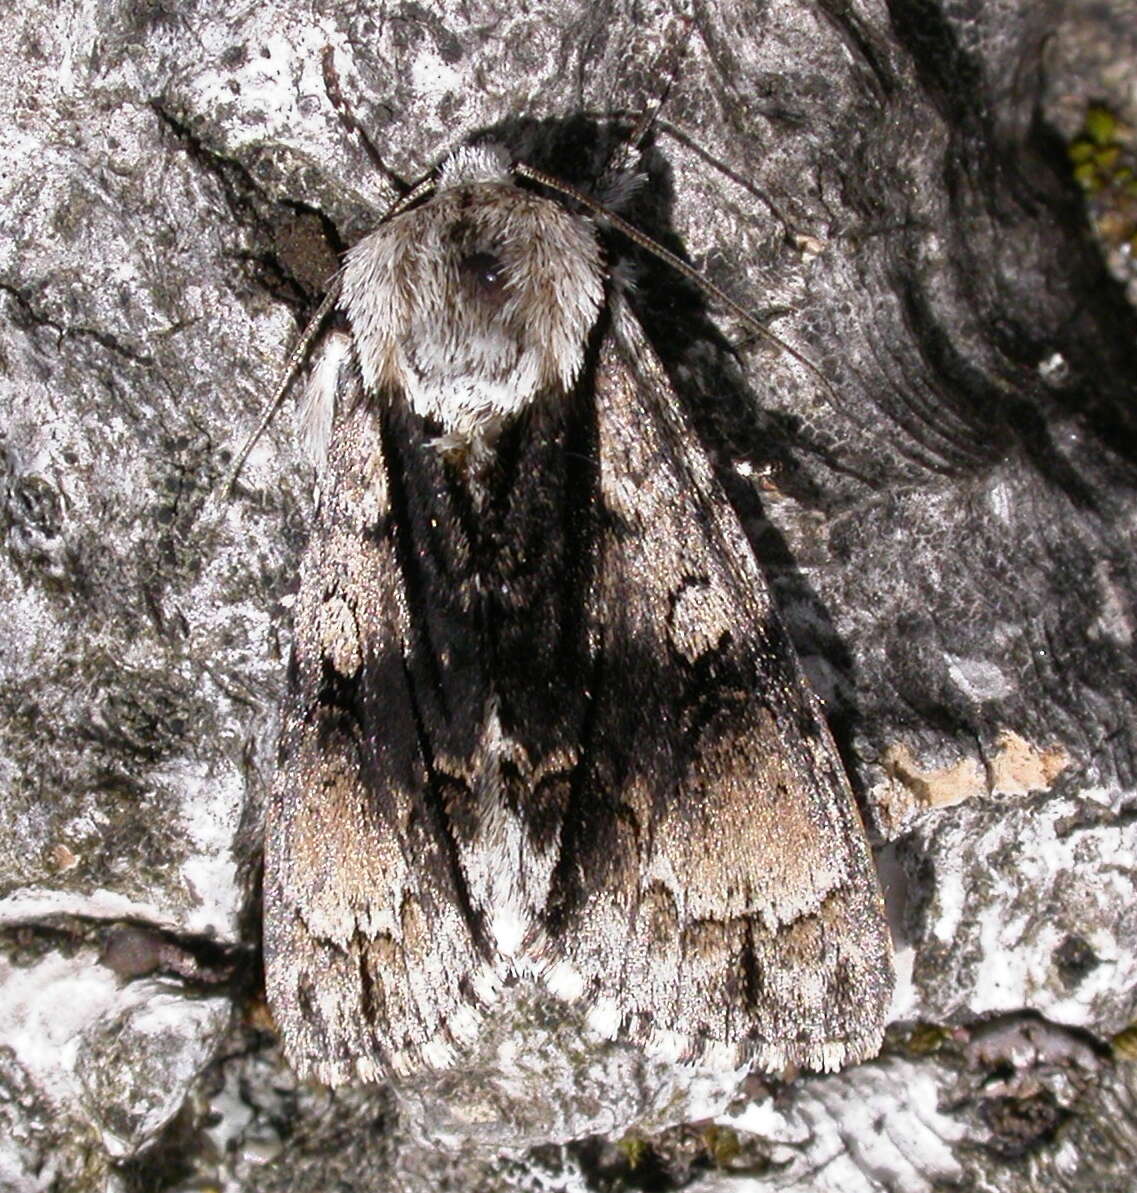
[(473, 303)]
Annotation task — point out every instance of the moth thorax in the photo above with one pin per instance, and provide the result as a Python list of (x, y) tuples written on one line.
[(474, 304), (484, 356)]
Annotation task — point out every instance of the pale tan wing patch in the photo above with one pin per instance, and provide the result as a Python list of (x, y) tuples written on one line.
[(370, 964), (724, 901)]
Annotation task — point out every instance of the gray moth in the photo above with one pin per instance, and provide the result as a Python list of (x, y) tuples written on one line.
[(543, 724)]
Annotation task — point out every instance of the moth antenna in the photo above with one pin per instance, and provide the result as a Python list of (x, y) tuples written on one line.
[(677, 134), (300, 351), (636, 236), (418, 191), (408, 192), (334, 92), (295, 360), (667, 64)]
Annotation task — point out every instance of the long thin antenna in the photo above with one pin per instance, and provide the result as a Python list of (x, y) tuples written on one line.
[(408, 196), (666, 66), (295, 360), (334, 92), (668, 257), (300, 351)]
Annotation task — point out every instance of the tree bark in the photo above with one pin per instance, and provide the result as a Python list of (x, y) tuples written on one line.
[(947, 522)]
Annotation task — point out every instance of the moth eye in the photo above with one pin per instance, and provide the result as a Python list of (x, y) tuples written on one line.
[(485, 273)]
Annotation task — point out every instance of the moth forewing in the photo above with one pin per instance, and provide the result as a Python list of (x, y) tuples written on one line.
[(544, 727)]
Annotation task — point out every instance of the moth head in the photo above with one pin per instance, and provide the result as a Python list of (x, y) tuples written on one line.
[(476, 301)]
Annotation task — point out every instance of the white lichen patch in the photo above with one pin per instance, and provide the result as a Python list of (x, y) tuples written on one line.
[(124, 1056), (830, 1137), (995, 865)]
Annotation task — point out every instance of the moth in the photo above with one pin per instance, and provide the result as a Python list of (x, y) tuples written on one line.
[(543, 723)]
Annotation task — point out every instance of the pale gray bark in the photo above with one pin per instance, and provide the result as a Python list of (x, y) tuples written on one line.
[(949, 528)]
